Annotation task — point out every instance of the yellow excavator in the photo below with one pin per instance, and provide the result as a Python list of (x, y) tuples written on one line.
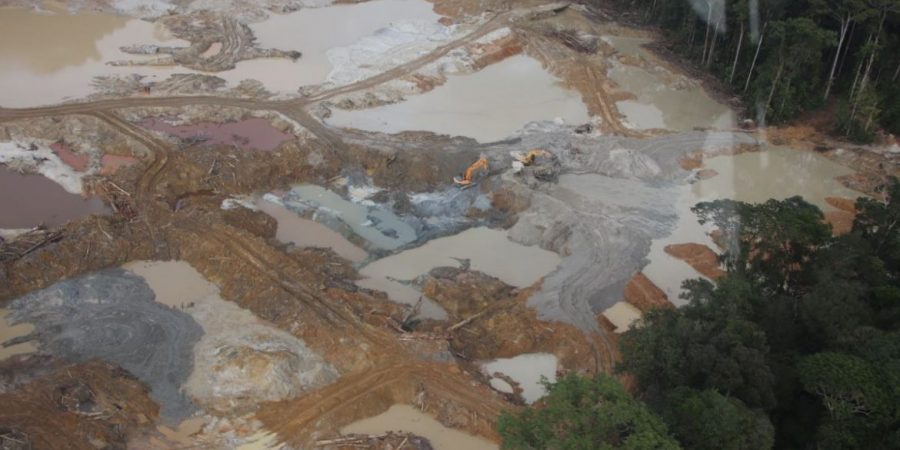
[(467, 178), (528, 158)]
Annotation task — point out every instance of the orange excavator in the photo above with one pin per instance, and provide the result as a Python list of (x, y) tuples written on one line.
[(467, 178)]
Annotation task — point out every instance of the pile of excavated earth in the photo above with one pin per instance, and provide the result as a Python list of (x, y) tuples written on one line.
[(236, 224)]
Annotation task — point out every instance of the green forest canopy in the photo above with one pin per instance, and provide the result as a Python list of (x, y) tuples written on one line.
[(785, 57), (797, 347)]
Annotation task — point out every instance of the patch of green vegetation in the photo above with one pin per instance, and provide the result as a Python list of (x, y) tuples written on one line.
[(797, 347), (789, 57)]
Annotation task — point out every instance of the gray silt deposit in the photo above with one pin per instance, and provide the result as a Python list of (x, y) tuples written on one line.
[(614, 195), (112, 315)]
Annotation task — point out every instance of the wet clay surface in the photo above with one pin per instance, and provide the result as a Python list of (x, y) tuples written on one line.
[(248, 134), (61, 409)]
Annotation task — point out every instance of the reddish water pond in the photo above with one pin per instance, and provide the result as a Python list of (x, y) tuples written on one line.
[(247, 134), (30, 200)]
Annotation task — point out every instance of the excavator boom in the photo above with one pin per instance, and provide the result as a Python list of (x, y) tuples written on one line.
[(466, 180)]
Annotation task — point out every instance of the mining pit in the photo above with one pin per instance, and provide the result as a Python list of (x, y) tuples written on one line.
[(298, 224)]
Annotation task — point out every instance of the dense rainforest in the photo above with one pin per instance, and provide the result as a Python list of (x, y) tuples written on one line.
[(787, 57), (797, 347)]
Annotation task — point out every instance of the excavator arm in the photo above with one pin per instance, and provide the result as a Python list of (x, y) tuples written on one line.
[(528, 158), (466, 180)]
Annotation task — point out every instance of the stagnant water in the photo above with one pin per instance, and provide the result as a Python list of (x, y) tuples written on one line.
[(489, 251), (488, 105), (27, 201), (313, 31), (9, 331), (621, 315), (308, 233), (527, 370), (405, 418), (248, 134), (659, 103), (381, 228), (53, 57), (174, 283), (755, 177)]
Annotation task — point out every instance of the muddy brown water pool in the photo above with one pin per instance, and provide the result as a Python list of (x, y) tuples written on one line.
[(314, 31), (308, 233), (405, 418), (754, 177), (248, 134), (663, 100), (51, 57), (30, 200), (9, 331), (487, 105), (489, 251)]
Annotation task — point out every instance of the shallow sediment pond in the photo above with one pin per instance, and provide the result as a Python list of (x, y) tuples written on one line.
[(405, 418), (754, 177), (678, 105), (52, 57), (381, 228), (621, 315), (247, 134), (308, 233), (660, 105), (31, 200), (313, 31), (9, 331), (527, 370), (488, 105), (489, 251)]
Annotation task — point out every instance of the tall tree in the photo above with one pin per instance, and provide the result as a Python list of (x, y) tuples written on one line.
[(581, 413), (708, 420), (845, 12)]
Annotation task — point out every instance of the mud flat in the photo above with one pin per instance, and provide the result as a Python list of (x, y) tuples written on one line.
[(487, 105), (53, 57), (111, 315), (377, 226), (31, 200), (754, 177), (526, 370), (240, 360), (489, 251), (308, 233), (408, 419), (247, 134), (313, 31)]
